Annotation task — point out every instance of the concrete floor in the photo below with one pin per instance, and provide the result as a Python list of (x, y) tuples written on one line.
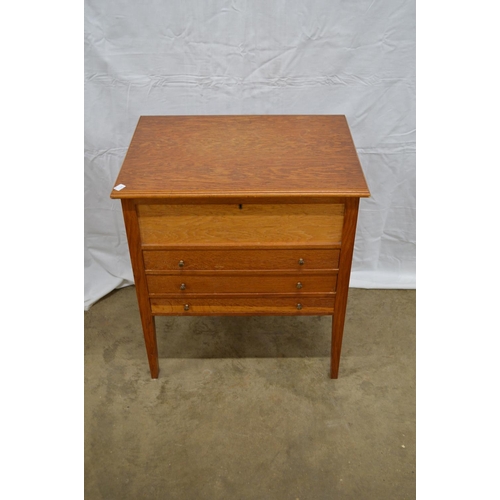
[(244, 407)]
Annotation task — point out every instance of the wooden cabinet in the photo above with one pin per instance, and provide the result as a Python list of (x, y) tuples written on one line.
[(241, 215)]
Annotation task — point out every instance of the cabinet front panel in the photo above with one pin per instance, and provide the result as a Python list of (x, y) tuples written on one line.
[(243, 306), (229, 224), (192, 260), (243, 283)]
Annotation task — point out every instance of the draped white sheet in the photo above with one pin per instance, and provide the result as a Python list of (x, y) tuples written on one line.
[(194, 57)]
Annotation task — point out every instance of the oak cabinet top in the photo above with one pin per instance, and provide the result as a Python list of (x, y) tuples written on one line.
[(241, 156)]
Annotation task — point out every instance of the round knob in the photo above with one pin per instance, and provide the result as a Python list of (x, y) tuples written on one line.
[(183, 286), (299, 285), (299, 306), (301, 262), (181, 263), (186, 307)]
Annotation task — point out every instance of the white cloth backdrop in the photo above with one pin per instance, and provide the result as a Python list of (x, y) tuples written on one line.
[(197, 57)]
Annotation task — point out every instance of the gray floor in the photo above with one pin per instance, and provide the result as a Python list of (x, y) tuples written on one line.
[(244, 407)]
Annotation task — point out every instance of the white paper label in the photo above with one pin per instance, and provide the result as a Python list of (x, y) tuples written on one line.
[(119, 187)]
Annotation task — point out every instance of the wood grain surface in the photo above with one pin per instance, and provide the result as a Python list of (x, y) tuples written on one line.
[(252, 223), (235, 259), (197, 156), (221, 282), (244, 306)]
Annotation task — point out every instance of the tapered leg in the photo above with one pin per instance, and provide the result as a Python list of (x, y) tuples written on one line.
[(141, 287), (149, 330), (346, 252), (337, 334)]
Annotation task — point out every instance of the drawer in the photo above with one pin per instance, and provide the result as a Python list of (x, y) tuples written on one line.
[(296, 259), (204, 283), (226, 224), (243, 306)]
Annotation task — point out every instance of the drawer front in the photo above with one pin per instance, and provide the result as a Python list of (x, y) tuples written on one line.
[(243, 306), (299, 260), (227, 224), (242, 283)]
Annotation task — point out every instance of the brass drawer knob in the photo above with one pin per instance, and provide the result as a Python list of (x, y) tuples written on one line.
[(299, 306), (183, 286), (299, 285), (186, 307), (301, 262), (181, 263)]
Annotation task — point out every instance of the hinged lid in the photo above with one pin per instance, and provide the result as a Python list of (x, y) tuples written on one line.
[(241, 156)]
